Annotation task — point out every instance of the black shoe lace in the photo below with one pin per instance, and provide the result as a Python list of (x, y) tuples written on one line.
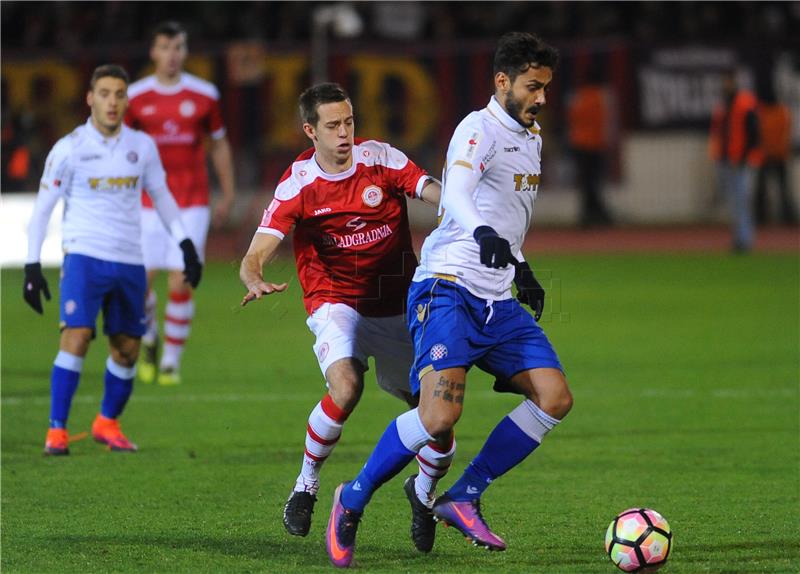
[(301, 503), (347, 527)]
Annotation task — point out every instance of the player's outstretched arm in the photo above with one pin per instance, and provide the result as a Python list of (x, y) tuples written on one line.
[(261, 250), (431, 192)]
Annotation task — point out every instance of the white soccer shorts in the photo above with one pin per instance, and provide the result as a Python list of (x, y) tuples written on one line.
[(342, 332), (159, 248)]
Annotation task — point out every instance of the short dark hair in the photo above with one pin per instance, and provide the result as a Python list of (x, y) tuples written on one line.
[(313, 97), (518, 51), (168, 28), (109, 71)]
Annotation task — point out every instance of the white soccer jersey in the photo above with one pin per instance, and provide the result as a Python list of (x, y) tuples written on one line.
[(507, 159), (100, 179)]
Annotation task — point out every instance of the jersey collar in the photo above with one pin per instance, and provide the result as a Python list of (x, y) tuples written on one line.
[(163, 89), (334, 176), (95, 134), (508, 122)]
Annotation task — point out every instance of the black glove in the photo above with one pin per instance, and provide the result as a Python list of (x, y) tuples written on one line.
[(495, 251), (192, 268), (35, 283), (529, 290)]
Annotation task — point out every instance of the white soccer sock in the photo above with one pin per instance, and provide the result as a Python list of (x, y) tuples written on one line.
[(433, 465), (322, 433), (177, 325), (533, 421), (151, 316)]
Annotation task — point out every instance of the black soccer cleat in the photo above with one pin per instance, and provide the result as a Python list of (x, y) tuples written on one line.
[(423, 525), (297, 513)]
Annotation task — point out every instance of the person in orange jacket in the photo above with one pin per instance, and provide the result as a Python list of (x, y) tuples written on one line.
[(734, 145), (776, 126), (589, 119)]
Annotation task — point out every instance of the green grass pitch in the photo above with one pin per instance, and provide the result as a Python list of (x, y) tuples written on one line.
[(685, 376)]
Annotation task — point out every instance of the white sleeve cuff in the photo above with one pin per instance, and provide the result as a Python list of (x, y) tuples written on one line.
[(218, 134), (270, 231)]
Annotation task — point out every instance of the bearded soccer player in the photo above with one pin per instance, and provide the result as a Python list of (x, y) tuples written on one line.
[(99, 170), (346, 201), (178, 110), (461, 311)]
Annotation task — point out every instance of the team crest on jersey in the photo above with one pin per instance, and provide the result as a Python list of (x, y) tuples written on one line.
[(132, 157), (438, 351), (323, 352), (372, 195), (187, 108)]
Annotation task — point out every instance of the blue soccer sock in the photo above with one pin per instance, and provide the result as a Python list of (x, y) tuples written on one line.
[(511, 441), (398, 446), (119, 386), (64, 379)]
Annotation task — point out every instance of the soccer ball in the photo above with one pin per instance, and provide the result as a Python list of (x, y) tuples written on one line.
[(638, 540)]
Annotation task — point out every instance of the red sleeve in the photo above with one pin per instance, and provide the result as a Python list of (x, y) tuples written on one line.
[(216, 125), (285, 210), (130, 116), (405, 175)]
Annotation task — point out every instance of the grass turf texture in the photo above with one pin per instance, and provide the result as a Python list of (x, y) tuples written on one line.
[(685, 376)]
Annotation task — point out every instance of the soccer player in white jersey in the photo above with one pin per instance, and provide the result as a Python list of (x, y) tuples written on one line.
[(181, 112), (461, 311), (99, 171)]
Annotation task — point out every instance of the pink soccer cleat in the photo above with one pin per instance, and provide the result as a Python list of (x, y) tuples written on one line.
[(466, 516), (340, 538)]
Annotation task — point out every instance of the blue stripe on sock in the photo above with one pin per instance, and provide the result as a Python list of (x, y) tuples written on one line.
[(389, 458), (63, 384), (505, 448), (116, 396)]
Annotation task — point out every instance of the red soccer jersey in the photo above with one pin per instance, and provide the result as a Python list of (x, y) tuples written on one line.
[(352, 242), (178, 117)]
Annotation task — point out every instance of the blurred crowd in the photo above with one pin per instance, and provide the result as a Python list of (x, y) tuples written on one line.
[(71, 26)]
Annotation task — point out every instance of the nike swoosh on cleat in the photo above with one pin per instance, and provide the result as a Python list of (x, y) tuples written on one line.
[(469, 522), (337, 552)]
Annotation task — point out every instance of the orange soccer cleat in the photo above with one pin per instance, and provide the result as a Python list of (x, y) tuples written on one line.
[(107, 431), (57, 442)]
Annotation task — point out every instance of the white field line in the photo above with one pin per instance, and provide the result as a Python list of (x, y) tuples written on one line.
[(646, 393)]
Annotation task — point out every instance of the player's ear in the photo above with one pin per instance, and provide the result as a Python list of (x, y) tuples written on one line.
[(309, 130), (89, 98), (502, 82)]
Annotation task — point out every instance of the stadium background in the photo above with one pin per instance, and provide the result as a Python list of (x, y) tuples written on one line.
[(683, 358)]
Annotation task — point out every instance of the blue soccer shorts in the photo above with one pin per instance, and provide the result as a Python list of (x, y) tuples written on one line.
[(451, 327), (89, 284)]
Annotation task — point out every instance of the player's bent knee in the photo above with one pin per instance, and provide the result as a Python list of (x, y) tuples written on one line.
[(440, 424), (76, 340), (558, 404)]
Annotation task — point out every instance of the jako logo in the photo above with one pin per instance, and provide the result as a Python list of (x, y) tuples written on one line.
[(322, 210)]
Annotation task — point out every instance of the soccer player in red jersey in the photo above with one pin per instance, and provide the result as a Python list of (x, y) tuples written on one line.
[(178, 110), (346, 200)]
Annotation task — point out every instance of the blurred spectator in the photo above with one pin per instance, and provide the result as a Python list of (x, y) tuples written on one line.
[(589, 120), (775, 121), (734, 146)]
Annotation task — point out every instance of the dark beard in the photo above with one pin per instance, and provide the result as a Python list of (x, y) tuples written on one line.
[(514, 109)]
